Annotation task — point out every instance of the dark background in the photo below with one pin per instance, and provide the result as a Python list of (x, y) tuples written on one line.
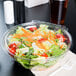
[(7, 65)]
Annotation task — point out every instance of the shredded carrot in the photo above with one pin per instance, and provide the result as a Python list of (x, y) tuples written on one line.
[(28, 44), (17, 36), (37, 32), (40, 45), (45, 34), (23, 54), (37, 54), (52, 41), (26, 32), (50, 37), (43, 47), (61, 46), (29, 39)]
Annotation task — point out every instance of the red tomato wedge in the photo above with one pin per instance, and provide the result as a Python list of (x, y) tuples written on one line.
[(44, 55), (12, 50), (13, 45), (60, 36), (42, 39), (33, 29)]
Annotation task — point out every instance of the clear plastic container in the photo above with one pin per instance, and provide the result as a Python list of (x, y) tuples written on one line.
[(50, 61)]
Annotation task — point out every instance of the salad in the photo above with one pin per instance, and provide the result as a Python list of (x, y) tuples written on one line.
[(34, 46)]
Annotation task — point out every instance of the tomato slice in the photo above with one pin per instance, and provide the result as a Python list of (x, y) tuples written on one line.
[(12, 50), (33, 29), (42, 39), (44, 55), (13, 45), (60, 36)]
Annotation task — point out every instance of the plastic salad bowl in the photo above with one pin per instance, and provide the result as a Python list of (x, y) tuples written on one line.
[(37, 44)]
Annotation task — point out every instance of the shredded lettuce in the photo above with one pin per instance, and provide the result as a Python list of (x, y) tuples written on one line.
[(19, 31), (59, 31), (56, 51), (26, 60), (21, 46), (43, 27)]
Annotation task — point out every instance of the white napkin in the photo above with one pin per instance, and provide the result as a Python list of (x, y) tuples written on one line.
[(33, 3), (66, 64)]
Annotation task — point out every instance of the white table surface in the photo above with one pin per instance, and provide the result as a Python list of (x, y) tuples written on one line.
[(71, 72), (67, 71)]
